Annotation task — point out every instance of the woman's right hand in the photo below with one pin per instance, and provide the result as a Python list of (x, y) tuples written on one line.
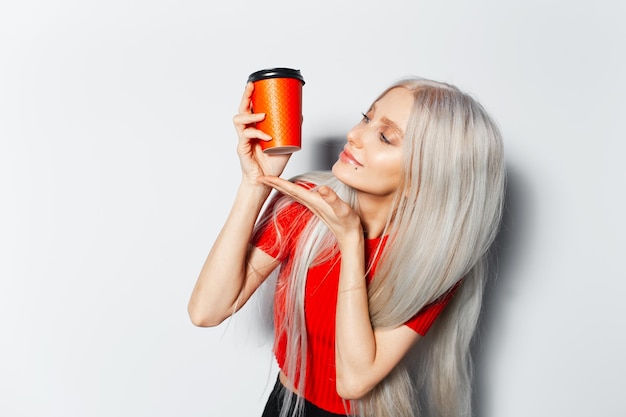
[(254, 163)]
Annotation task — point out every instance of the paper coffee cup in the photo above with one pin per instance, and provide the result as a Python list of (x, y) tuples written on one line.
[(278, 94)]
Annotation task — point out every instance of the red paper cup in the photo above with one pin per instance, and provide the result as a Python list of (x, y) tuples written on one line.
[(278, 94)]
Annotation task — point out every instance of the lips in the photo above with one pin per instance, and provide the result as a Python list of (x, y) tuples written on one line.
[(347, 157)]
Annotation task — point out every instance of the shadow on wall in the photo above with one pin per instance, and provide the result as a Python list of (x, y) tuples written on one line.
[(326, 151), (501, 260)]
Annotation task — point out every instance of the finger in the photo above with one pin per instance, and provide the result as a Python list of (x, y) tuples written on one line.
[(253, 133), (311, 199), (247, 118), (281, 185), (287, 187), (244, 125), (331, 198), (328, 196), (244, 106)]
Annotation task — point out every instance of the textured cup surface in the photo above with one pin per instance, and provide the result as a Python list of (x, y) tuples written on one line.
[(278, 94)]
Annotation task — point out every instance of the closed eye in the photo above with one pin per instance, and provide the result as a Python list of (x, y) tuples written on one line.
[(383, 138)]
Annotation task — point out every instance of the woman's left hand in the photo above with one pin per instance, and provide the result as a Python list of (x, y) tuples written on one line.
[(342, 219)]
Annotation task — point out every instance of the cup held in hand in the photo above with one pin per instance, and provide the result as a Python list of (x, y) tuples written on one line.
[(278, 94)]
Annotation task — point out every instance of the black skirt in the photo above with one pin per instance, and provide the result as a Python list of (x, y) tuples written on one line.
[(275, 401)]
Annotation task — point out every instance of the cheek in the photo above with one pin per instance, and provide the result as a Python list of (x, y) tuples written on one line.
[(390, 165)]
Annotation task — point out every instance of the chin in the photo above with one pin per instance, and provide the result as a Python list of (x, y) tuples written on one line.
[(338, 172), (342, 172)]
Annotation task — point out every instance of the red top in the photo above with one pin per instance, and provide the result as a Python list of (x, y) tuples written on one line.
[(320, 306)]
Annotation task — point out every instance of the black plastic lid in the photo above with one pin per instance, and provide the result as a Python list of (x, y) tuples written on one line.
[(276, 73)]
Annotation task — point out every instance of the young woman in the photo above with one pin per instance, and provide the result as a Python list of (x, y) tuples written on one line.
[(368, 256)]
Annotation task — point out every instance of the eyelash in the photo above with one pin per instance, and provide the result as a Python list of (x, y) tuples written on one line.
[(383, 138)]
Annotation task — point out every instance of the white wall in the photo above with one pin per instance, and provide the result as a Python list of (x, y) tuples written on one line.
[(117, 168)]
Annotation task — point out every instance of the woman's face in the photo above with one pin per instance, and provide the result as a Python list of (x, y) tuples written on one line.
[(371, 161)]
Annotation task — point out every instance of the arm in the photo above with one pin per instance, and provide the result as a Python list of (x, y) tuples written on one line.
[(364, 356), (232, 270)]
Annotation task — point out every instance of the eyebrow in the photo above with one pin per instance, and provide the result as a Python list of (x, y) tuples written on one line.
[(393, 125)]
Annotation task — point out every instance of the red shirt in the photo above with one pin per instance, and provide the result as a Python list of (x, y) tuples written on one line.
[(320, 306)]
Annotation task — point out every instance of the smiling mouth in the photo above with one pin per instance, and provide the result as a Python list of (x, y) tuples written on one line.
[(348, 158)]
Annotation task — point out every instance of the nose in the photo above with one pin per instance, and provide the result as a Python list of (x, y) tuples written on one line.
[(354, 136)]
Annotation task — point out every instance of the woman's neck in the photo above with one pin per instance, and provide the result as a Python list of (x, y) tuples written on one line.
[(374, 212)]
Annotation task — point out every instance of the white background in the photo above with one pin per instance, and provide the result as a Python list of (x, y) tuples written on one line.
[(118, 167)]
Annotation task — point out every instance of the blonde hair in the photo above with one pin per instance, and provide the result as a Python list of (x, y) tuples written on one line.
[(445, 217)]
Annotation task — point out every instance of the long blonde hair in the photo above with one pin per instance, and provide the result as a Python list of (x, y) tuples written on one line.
[(445, 217)]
